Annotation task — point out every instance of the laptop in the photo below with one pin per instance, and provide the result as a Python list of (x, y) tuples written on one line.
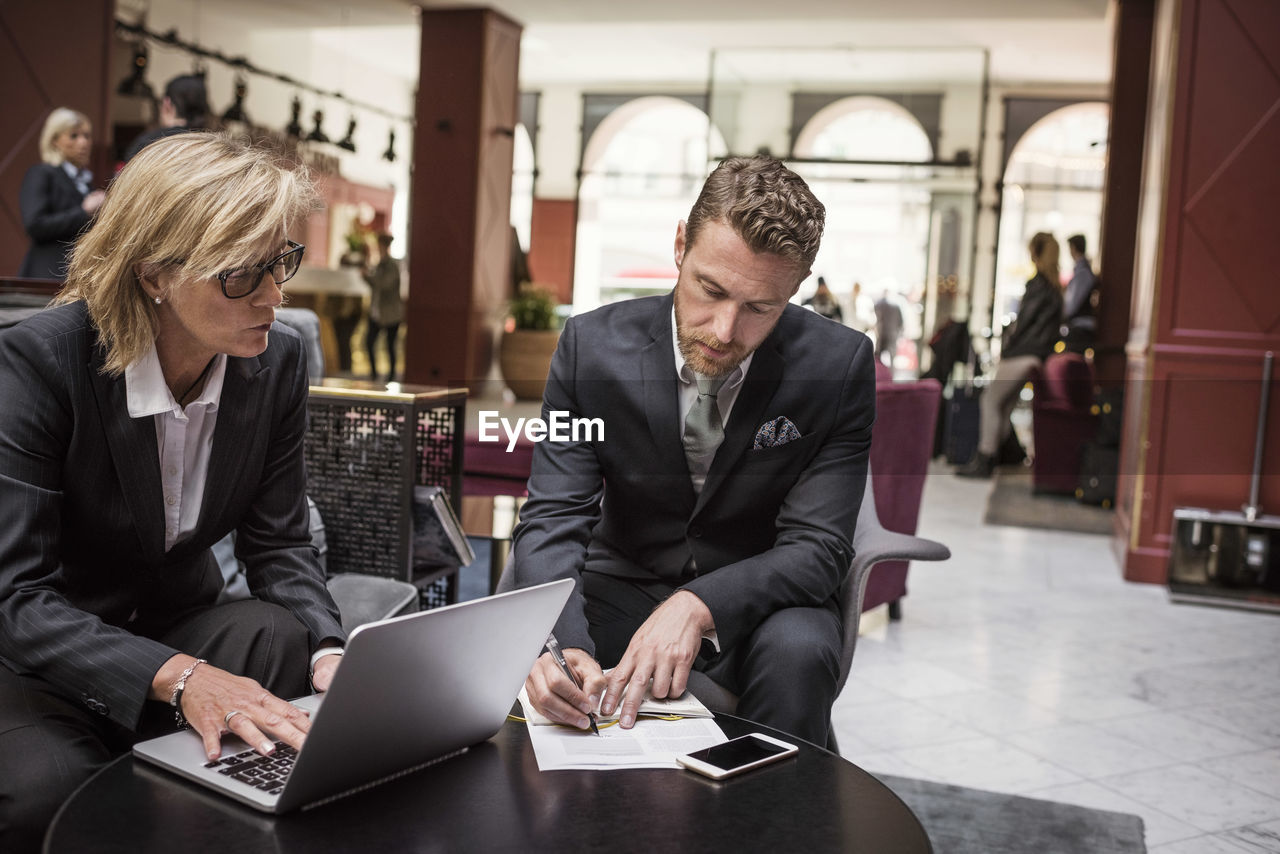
[(410, 691)]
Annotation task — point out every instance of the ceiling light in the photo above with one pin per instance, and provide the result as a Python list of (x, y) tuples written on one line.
[(236, 113), (135, 85), (317, 134), (294, 128), (349, 142)]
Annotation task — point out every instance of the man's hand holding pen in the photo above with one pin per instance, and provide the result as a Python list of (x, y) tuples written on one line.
[(556, 695)]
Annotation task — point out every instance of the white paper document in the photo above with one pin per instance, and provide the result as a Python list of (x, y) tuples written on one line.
[(651, 743)]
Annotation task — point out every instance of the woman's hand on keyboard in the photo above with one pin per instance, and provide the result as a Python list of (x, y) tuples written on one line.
[(261, 718)]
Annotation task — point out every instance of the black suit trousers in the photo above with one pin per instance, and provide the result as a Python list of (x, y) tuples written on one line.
[(50, 743), (784, 673)]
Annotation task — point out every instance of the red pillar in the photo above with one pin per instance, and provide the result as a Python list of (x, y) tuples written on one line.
[(459, 228)]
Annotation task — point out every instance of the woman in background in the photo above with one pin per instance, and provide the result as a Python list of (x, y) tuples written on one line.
[(1024, 347), (151, 412), (56, 199)]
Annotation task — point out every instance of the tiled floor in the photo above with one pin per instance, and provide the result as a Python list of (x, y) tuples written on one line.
[(1026, 664)]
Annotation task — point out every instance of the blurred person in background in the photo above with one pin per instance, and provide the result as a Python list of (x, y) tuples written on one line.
[(1024, 347), (184, 107), (889, 322), (57, 200), (825, 303), (386, 309), (1078, 321)]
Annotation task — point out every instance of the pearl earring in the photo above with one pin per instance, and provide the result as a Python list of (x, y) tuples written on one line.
[(157, 300)]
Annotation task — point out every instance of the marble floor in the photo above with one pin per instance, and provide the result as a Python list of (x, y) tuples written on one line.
[(1027, 665)]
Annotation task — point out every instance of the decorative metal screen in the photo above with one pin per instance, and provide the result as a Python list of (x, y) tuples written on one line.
[(366, 448)]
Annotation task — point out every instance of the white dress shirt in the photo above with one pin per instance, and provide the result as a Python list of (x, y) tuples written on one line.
[(184, 436), (82, 178)]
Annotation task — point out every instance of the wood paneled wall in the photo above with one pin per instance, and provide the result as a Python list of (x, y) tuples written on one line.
[(1206, 303)]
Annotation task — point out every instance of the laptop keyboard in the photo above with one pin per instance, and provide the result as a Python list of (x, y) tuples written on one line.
[(267, 773)]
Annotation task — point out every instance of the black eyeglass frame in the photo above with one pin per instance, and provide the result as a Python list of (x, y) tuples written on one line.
[(262, 270)]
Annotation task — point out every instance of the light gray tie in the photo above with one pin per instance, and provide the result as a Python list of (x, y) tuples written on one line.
[(703, 430)]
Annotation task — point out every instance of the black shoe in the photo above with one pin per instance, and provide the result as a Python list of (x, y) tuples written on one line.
[(1011, 453), (980, 466)]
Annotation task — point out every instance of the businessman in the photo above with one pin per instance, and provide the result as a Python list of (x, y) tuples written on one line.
[(710, 527)]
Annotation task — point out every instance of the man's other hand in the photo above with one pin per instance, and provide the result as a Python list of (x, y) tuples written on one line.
[(662, 649), (554, 694)]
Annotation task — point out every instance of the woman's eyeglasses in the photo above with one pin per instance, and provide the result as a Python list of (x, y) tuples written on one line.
[(242, 281)]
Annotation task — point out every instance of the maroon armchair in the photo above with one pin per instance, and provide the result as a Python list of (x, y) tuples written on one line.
[(1061, 421), (901, 445), (489, 469)]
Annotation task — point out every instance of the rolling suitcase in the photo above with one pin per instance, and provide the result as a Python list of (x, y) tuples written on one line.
[(962, 425)]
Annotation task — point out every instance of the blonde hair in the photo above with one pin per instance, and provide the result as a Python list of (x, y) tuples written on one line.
[(60, 121), (198, 203), (1044, 254), (766, 204)]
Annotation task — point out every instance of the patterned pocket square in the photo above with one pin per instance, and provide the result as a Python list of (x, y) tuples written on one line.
[(779, 431)]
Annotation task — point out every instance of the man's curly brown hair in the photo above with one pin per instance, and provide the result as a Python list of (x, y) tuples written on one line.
[(770, 207)]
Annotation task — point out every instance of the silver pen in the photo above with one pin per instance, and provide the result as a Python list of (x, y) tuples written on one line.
[(553, 647)]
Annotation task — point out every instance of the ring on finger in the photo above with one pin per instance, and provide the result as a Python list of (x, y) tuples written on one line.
[(231, 714)]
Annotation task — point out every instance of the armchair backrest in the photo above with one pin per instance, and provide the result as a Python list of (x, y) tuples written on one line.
[(305, 322), (1066, 381)]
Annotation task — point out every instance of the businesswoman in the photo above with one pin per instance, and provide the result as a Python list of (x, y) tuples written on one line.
[(56, 200), (155, 409)]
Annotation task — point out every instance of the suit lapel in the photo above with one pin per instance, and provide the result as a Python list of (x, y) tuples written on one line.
[(661, 391), (757, 390), (132, 444), (243, 391)]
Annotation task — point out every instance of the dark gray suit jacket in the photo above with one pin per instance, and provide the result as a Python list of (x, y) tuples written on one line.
[(771, 529), (53, 218), (83, 571)]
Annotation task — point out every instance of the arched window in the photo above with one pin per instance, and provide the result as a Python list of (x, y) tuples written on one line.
[(1053, 182), (642, 170), (864, 128), (522, 175), (878, 217)]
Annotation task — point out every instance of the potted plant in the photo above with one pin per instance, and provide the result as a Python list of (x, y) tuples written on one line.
[(528, 341)]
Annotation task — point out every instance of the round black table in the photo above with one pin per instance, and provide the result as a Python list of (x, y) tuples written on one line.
[(494, 798)]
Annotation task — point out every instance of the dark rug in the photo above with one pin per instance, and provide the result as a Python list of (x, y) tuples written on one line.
[(971, 821), (1013, 503)]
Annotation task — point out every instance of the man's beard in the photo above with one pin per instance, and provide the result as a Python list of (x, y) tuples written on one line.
[(687, 340)]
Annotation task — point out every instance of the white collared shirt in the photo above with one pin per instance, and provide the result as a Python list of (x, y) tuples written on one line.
[(184, 436), (82, 178), (689, 393)]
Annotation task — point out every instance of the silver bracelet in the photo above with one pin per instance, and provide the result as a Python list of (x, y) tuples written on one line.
[(175, 699)]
